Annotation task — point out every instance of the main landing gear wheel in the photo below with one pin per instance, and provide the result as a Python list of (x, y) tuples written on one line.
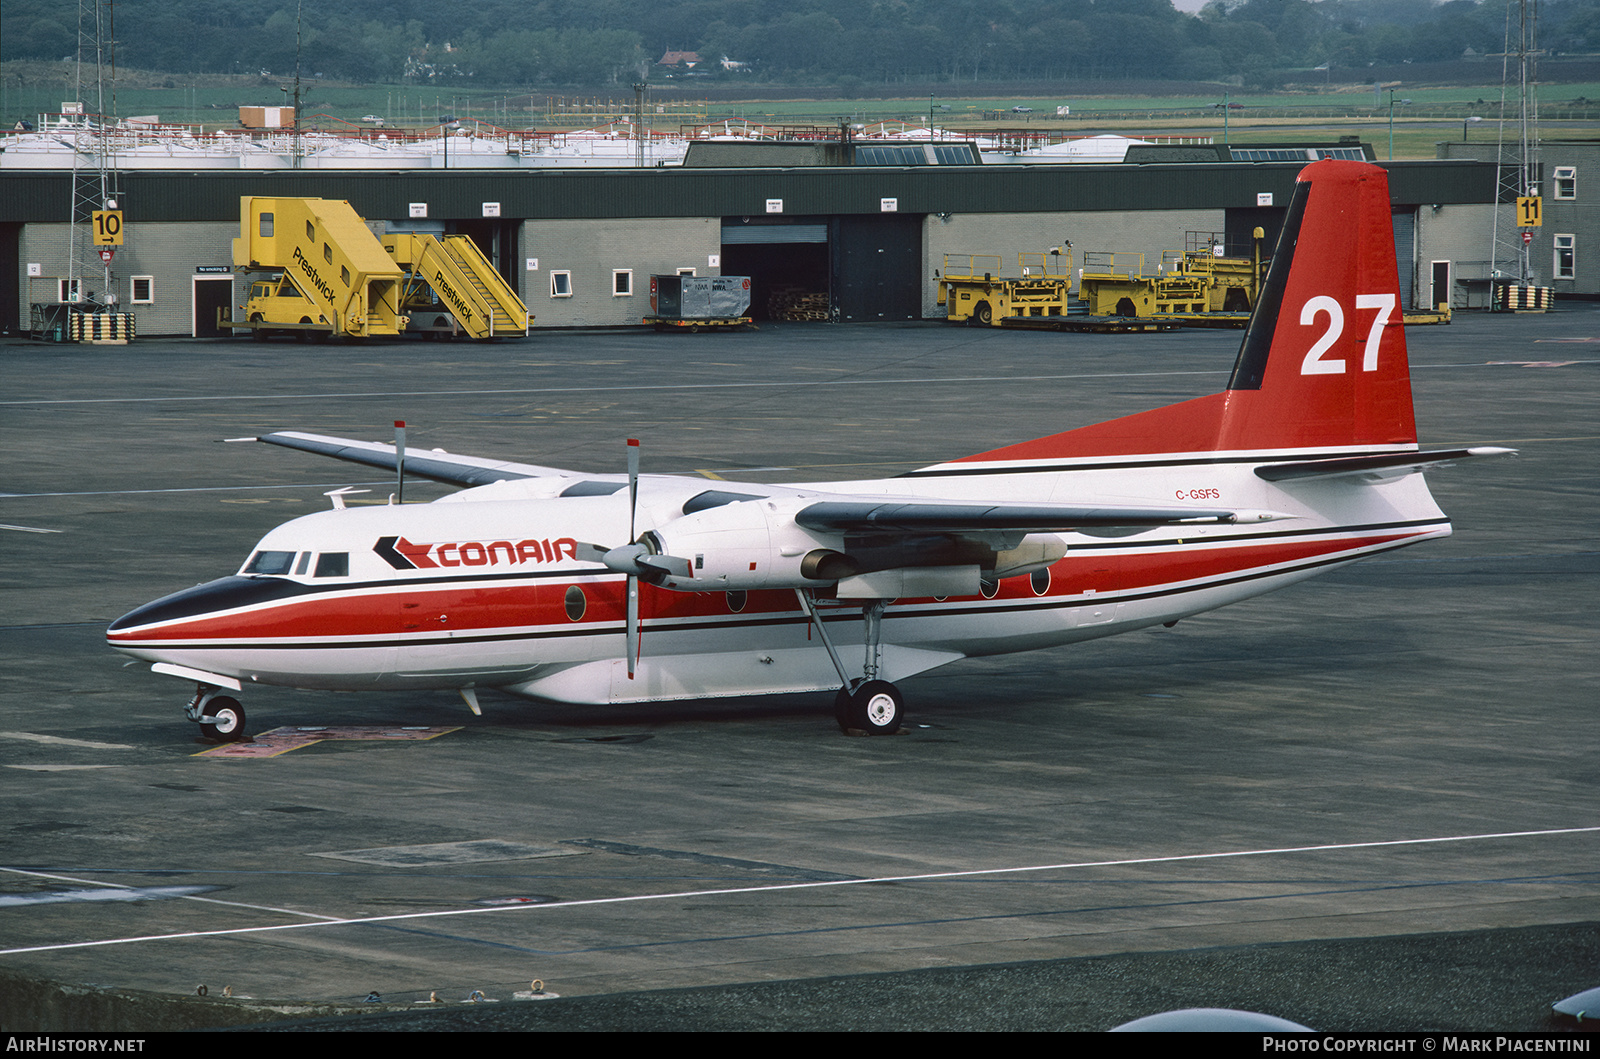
[(874, 707), (227, 720)]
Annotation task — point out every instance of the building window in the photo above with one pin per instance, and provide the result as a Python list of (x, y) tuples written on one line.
[(142, 290), (560, 284), (1566, 182), (685, 271), (69, 291), (1565, 265), (621, 282)]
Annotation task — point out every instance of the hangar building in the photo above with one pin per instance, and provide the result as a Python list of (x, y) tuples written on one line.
[(868, 236)]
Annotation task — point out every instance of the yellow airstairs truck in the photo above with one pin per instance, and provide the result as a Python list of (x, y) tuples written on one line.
[(453, 269), (332, 276)]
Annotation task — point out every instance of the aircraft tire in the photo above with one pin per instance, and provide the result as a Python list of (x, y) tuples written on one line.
[(875, 707), (229, 724)]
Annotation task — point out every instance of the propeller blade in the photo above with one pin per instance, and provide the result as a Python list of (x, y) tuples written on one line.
[(675, 565), (634, 644), (632, 558), (633, 485), (585, 552)]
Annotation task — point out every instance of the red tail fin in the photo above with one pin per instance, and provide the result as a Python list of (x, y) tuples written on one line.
[(1323, 363)]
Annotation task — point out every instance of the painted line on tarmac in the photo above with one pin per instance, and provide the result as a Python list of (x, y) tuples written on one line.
[(61, 740), (781, 887), (322, 920), (787, 384), (189, 489), (654, 387)]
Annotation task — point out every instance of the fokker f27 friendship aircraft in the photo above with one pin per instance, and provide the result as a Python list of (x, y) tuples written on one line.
[(601, 588)]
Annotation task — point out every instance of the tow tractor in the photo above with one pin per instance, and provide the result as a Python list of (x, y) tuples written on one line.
[(1201, 286), (974, 291)]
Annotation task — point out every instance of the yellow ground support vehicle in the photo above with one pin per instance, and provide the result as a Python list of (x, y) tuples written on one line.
[(1189, 285), (974, 291), (350, 287), (332, 276), (280, 301), (452, 271)]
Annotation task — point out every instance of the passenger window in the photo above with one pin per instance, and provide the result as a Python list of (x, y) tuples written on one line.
[(270, 563), (333, 564), (576, 603)]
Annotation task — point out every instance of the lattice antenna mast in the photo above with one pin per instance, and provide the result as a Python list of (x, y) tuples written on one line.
[(94, 170), (1518, 155)]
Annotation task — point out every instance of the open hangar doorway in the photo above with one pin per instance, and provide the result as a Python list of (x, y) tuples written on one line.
[(846, 268), (787, 262)]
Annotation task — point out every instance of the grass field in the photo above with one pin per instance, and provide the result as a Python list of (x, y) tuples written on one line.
[(1432, 115)]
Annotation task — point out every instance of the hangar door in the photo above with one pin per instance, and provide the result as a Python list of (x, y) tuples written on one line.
[(854, 267), (877, 267), (1405, 252), (1241, 221), (787, 262)]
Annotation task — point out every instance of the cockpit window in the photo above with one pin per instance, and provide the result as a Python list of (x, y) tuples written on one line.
[(305, 561), (333, 564), (265, 562)]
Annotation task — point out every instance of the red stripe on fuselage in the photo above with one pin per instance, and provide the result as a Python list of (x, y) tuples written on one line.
[(488, 607)]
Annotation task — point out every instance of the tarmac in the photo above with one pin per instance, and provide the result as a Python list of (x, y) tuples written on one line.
[(1365, 802)]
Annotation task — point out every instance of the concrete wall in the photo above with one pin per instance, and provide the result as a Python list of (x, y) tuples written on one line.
[(1578, 217), (168, 252), (1005, 235), (591, 251), (1459, 235)]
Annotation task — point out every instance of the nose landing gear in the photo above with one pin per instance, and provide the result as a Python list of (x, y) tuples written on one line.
[(221, 718)]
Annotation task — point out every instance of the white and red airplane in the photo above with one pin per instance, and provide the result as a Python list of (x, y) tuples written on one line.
[(603, 588)]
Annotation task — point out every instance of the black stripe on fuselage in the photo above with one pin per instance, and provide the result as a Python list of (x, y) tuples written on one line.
[(294, 590), (948, 471), (691, 624)]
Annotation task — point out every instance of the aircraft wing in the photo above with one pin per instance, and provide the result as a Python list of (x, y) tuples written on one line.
[(1374, 468), (435, 464), (901, 517)]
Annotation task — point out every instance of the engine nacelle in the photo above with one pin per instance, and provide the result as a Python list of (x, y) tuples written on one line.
[(1038, 551), (748, 545)]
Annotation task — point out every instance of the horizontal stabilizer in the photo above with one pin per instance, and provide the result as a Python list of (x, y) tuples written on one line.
[(1373, 468)]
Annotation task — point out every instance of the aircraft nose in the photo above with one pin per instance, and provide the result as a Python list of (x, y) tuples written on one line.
[(225, 593)]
